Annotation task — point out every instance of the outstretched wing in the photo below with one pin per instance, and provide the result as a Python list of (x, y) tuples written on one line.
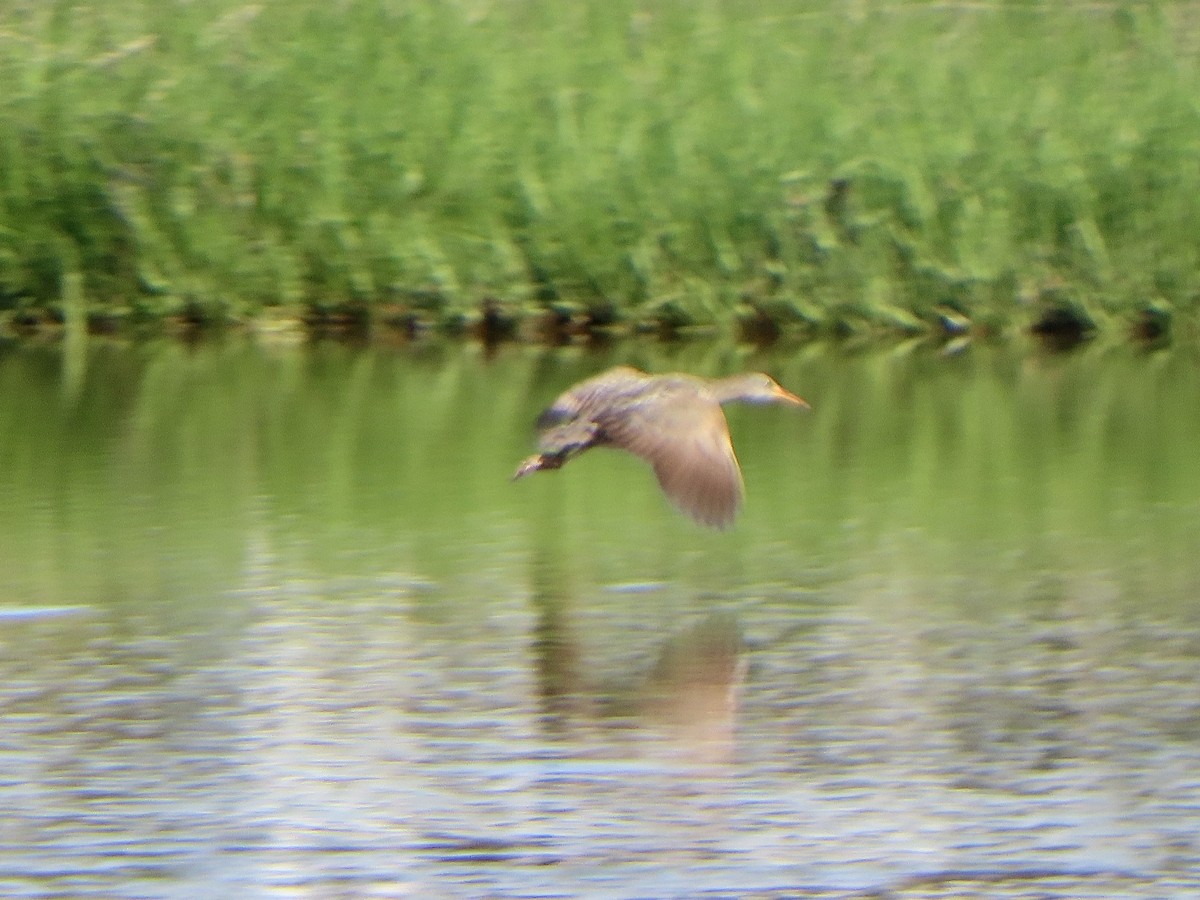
[(680, 430), (613, 385), (568, 425)]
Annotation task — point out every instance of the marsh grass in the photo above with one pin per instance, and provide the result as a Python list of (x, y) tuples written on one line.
[(820, 166)]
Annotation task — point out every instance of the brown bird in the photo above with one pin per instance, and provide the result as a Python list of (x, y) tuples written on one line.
[(674, 422)]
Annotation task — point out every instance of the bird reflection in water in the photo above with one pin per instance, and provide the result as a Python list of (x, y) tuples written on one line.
[(691, 693), (683, 701)]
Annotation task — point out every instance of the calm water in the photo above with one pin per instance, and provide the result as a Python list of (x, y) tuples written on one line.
[(274, 623)]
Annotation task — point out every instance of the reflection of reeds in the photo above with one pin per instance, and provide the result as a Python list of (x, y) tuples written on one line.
[(374, 460), (890, 171), (1001, 456)]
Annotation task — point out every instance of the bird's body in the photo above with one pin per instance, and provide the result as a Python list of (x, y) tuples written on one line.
[(674, 422)]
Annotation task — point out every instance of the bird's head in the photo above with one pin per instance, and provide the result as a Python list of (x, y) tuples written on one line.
[(755, 387)]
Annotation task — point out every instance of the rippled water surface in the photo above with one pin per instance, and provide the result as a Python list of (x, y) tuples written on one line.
[(275, 623)]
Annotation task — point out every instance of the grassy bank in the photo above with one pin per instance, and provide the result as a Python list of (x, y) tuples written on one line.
[(825, 166)]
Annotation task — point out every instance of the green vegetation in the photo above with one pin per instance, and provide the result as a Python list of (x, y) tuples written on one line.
[(827, 166)]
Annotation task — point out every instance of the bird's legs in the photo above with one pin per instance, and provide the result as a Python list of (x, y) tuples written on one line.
[(565, 442), (538, 462)]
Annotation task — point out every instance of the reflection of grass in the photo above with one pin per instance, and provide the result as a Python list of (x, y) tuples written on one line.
[(878, 167), (163, 471)]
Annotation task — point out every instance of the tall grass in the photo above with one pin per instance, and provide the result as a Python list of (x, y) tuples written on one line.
[(677, 161)]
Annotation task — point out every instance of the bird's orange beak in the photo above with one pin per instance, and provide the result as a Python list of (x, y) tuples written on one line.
[(786, 396)]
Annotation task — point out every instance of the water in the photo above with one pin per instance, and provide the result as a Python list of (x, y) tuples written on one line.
[(274, 623)]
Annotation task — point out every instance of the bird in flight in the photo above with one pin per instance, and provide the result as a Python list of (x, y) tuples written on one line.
[(674, 422)]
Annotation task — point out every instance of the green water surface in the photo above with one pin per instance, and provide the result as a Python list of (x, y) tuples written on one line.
[(273, 618)]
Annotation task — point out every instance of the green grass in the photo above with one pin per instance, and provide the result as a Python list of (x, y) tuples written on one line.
[(861, 167)]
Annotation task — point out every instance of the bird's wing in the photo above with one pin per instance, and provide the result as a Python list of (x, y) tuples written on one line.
[(573, 436), (611, 385), (568, 425), (682, 433)]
